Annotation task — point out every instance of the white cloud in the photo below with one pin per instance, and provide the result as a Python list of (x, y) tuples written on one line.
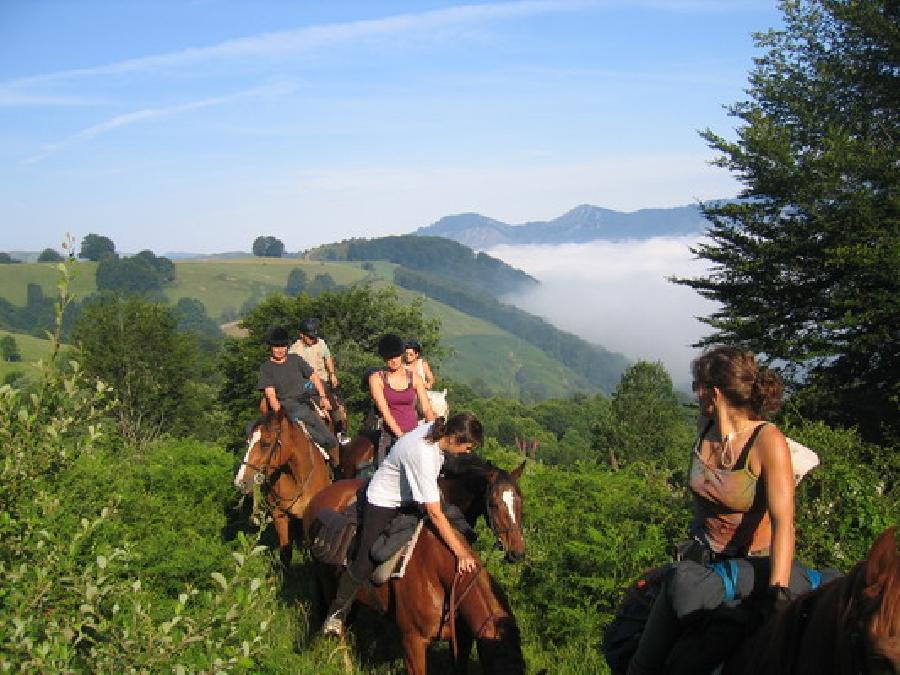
[(128, 119), (616, 294)]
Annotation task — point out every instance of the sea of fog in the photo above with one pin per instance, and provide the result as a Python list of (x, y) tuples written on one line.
[(617, 294)]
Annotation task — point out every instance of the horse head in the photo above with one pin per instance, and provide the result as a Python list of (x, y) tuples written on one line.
[(503, 505), (882, 595), (264, 450)]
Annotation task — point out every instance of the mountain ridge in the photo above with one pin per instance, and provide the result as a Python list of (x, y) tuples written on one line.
[(579, 225)]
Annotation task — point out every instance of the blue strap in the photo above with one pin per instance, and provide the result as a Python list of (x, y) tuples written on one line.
[(814, 577), (728, 570)]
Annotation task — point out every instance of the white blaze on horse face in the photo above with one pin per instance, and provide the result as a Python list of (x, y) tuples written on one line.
[(509, 498), (239, 479)]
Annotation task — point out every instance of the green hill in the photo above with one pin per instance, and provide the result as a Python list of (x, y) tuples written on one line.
[(32, 349), (484, 356)]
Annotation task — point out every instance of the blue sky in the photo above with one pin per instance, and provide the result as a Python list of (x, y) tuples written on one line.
[(196, 126)]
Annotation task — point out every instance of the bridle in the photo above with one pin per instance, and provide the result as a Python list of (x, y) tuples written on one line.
[(267, 478), (489, 509)]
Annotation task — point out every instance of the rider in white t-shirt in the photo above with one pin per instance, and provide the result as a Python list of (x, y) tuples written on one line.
[(408, 475)]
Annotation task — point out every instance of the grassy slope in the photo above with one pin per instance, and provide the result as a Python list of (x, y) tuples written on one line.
[(32, 349), (483, 355)]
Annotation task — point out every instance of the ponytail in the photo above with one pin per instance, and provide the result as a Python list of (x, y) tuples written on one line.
[(463, 427)]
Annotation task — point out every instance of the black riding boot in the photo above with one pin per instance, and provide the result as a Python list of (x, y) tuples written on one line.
[(340, 606)]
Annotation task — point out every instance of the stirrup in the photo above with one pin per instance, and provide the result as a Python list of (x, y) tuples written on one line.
[(333, 626)]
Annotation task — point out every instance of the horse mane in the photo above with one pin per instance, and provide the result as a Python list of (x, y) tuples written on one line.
[(830, 625), (471, 468)]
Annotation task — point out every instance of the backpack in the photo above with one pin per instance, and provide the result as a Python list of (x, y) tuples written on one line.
[(621, 637)]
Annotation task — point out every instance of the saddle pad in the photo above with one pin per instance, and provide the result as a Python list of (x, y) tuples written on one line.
[(332, 533), (395, 566), (309, 436)]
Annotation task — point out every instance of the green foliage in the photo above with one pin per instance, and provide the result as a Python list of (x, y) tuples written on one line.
[(805, 267), (849, 499), (320, 284), (7, 259), (598, 366), (352, 321), (9, 349), (296, 282), (133, 345), (269, 247), (142, 273), (646, 420), (442, 257), (96, 246), (50, 255), (191, 316)]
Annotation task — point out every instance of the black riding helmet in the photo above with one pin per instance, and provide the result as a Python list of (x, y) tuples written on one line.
[(415, 345), (390, 346), (277, 336), (309, 327)]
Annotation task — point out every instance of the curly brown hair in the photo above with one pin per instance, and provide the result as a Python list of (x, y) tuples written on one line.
[(735, 372)]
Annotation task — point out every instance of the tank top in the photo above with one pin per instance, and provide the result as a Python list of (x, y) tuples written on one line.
[(401, 402), (730, 508)]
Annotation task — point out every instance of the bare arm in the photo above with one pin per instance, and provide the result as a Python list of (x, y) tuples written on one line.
[(424, 401), (778, 477), (429, 376), (332, 373), (465, 561), (272, 398), (376, 388), (323, 399)]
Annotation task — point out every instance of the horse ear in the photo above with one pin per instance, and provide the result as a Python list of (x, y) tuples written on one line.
[(882, 559), (517, 472), (263, 406)]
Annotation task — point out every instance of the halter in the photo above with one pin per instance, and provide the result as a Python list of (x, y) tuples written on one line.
[(263, 478)]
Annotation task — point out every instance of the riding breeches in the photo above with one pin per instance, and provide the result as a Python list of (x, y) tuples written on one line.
[(298, 410)]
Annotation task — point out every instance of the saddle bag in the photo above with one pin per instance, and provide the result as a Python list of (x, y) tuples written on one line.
[(621, 637), (332, 533)]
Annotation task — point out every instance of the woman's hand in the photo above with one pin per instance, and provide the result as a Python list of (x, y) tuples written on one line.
[(466, 563)]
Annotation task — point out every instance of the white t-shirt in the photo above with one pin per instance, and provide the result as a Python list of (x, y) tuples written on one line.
[(409, 473), (314, 354)]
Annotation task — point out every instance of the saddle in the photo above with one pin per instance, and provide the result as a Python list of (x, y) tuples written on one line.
[(334, 533)]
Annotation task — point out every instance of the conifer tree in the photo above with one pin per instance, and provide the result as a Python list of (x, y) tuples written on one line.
[(805, 266)]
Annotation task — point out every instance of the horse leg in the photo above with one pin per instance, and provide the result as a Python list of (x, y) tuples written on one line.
[(283, 530), (414, 653)]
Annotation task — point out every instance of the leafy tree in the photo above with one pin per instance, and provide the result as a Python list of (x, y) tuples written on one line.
[(7, 259), (296, 282), (9, 349), (805, 265), (268, 247), (132, 345), (163, 266), (96, 246), (50, 255), (320, 284), (646, 420), (127, 275), (191, 316)]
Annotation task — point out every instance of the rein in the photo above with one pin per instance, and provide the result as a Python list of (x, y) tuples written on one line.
[(455, 602)]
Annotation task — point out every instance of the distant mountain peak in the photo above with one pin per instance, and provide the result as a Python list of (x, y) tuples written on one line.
[(581, 224)]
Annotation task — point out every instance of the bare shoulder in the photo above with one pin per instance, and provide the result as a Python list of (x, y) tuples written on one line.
[(772, 443)]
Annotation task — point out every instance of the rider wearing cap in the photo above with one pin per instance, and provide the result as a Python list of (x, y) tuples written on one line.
[(314, 350), (283, 378)]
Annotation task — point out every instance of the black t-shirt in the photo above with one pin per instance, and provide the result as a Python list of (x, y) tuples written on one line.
[(288, 378)]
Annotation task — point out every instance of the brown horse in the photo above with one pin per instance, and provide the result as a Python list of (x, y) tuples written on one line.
[(284, 461), (432, 602), (358, 455), (849, 625)]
